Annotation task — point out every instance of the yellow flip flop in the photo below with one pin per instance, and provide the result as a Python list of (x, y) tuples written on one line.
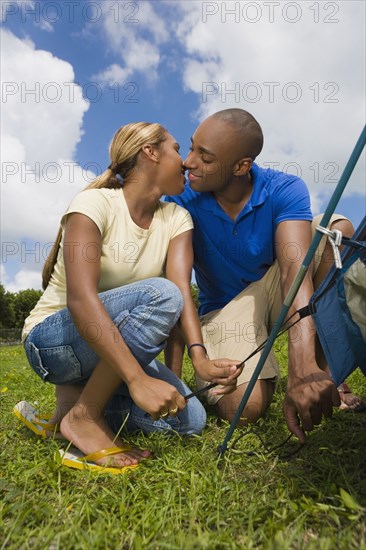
[(36, 422), (73, 458)]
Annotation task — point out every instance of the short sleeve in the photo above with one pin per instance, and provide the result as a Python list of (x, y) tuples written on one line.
[(91, 203), (291, 201), (181, 221)]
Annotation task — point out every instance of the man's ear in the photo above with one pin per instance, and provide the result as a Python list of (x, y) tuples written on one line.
[(150, 152), (243, 166)]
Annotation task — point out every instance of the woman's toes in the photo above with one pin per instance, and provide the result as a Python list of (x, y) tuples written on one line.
[(133, 457), (125, 461), (140, 454), (146, 453)]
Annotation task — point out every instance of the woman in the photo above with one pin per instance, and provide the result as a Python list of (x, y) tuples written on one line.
[(106, 311)]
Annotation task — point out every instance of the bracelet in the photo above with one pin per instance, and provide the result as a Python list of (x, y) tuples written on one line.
[(192, 346)]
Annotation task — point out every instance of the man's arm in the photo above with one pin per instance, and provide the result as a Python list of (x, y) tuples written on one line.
[(310, 392)]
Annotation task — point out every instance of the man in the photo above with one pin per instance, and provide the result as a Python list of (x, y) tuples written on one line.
[(252, 229)]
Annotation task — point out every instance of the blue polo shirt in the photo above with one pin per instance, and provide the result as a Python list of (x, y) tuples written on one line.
[(229, 255)]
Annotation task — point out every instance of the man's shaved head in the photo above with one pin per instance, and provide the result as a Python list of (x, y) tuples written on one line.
[(248, 131)]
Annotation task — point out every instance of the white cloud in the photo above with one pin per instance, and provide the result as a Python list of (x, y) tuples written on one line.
[(24, 279), (39, 134), (134, 37), (3, 275), (195, 72), (41, 103), (113, 73), (30, 10), (45, 25), (264, 66), (150, 20)]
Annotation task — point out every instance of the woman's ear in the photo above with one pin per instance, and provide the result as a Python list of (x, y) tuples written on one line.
[(243, 166), (150, 152)]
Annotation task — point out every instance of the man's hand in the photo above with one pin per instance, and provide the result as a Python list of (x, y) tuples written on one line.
[(307, 399), (221, 371)]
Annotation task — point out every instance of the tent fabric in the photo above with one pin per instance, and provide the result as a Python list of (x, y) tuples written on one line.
[(338, 308), (355, 287)]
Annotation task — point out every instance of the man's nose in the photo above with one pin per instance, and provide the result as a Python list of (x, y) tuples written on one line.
[(189, 161)]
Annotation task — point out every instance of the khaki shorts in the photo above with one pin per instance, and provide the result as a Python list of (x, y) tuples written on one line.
[(236, 330)]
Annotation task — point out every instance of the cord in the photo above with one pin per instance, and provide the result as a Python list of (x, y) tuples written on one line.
[(268, 449)]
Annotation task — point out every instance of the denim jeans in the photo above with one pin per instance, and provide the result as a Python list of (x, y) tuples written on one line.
[(144, 313), (122, 411)]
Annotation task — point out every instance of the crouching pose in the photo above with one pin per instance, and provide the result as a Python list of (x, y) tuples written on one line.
[(252, 228), (107, 310)]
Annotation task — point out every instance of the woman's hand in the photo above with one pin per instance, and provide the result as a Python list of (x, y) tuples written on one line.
[(221, 371), (159, 399)]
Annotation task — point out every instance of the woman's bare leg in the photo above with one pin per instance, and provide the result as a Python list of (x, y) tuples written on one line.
[(85, 425), (66, 397)]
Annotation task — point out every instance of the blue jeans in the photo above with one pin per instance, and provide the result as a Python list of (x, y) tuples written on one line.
[(144, 313)]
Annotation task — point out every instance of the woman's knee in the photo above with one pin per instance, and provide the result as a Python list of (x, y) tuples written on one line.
[(167, 301), (169, 294), (147, 318), (145, 296), (193, 418)]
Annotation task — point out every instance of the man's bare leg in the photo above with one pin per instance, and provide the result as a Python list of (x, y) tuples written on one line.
[(174, 351), (258, 402), (327, 259)]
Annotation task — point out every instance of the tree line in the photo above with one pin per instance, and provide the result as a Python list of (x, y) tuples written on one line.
[(16, 306)]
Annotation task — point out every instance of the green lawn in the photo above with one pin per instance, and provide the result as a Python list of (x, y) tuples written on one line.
[(182, 498)]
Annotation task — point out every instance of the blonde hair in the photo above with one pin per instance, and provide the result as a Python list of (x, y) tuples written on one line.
[(123, 153)]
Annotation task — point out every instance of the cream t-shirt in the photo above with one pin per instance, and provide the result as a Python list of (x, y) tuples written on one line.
[(129, 253)]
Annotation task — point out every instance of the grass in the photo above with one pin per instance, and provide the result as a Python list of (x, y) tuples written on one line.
[(183, 498)]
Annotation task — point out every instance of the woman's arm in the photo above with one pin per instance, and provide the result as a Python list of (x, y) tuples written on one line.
[(178, 270), (82, 252)]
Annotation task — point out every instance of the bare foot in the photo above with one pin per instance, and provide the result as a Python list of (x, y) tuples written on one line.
[(91, 435), (53, 433), (349, 401)]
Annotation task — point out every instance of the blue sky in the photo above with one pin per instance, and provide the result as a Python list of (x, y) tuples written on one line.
[(298, 67)]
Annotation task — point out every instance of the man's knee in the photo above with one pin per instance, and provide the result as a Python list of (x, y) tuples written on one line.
[(345, 226), (257, 404), (252, 412), (327, 258)]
